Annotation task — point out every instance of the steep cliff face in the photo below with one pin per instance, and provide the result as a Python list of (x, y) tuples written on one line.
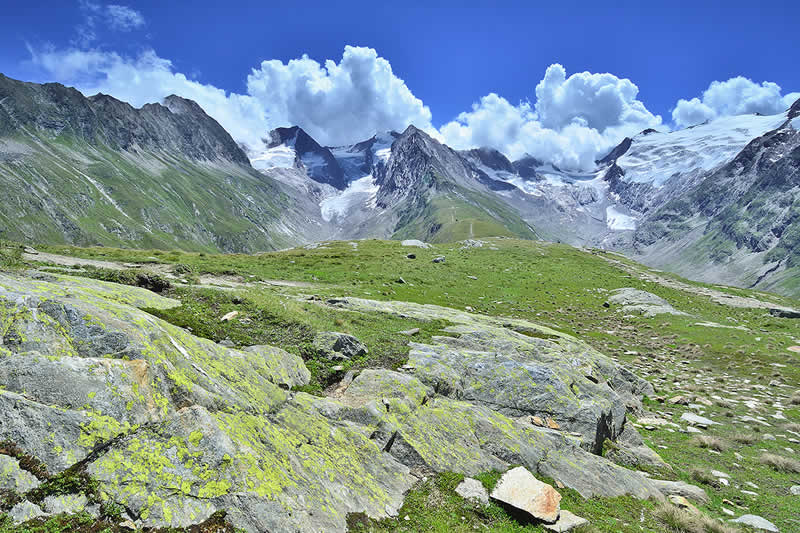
[(96, 171)]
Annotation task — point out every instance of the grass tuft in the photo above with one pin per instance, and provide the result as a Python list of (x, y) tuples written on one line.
[(780, 463), (712, 443)]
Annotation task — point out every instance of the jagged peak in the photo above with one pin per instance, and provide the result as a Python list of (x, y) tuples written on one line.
[(794, 110), (618, 151)]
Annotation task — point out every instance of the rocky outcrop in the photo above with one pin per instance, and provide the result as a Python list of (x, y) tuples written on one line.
[(520, 369), (174, 427)]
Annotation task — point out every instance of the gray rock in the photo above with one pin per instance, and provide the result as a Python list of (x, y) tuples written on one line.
[(757, 522), (12, 477), (439, 259), (794, 490), (24, 511), (472, 489), (566, 522), (635, 301), (680, 488), (67, 503), (338, 346)]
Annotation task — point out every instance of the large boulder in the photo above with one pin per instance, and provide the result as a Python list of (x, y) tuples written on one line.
[(521, 369)]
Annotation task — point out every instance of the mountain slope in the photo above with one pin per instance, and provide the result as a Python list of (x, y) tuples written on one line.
[(742, 219), (397, 186), (98, 171)]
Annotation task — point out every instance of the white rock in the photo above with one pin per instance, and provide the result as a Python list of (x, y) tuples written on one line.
[(566, 522), (520, 489), (698, 420), (756, 522), (415, 242), (472, 489)]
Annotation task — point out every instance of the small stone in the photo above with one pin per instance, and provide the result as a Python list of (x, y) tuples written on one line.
[(679, 400), (697, 420), (536, 421), (566, 522), (127, 524), (400, 280), (411, 256), (683, 503), (727, 511), (794, 490), (229, 316), (552, 424), (756, 522), (717, 473), (472, 277), (472, 489), (521, 490), (439, 259), (409, 332)]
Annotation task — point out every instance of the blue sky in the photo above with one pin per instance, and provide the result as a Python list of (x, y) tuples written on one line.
[(465, 71)]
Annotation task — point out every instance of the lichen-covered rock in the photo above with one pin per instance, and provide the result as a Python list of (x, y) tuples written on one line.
[(284, 369), (176, 427), (66, 503), (187, 427), (453, 436), (12, 477), (24, 511), (519, 368)]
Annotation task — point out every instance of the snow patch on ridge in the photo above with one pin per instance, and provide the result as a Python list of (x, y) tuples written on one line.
[(360, 193), (656, 157), (281, 156), (618, 221)]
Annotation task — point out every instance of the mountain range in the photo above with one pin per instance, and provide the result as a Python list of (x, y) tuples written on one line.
[(717, 202)]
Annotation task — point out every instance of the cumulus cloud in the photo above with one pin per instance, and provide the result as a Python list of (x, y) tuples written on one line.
[(736, 96), (336, 103), (574, 120)]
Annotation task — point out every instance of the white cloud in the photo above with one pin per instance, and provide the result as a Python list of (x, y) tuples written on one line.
[(123, 18), (736, 96), (573, 122), (337, 104), (112, 16)]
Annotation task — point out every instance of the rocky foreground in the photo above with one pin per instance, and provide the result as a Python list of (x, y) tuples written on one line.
[(172, 428)]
